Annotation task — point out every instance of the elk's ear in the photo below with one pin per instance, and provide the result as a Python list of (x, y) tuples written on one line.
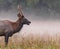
[(18, 15), (22, 16)]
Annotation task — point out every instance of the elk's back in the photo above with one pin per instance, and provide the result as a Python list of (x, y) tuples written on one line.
[(5, 27)]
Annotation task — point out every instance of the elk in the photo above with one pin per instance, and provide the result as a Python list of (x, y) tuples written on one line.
[(8, 28)]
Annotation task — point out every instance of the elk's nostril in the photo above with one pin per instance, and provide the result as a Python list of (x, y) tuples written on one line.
[(29, 22)]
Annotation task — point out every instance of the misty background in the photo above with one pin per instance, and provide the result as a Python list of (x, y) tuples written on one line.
[(44, 14), (33, 9)]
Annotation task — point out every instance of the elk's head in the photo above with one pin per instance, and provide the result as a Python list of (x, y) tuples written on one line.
[(23, 19)]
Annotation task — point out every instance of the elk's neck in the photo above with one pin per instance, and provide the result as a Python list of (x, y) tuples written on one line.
[(18, 26)]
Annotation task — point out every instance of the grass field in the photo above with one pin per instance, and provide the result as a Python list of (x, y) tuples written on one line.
[(32, 42)]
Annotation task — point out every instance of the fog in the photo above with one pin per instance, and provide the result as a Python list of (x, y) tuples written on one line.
[(44, 15), (39, 25)]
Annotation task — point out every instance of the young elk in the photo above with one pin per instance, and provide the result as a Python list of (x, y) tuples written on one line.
[(8, 28)]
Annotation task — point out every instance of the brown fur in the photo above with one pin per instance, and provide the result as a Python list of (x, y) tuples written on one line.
[(8, 28)]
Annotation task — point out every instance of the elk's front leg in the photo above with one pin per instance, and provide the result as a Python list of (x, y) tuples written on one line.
[(6, 39)]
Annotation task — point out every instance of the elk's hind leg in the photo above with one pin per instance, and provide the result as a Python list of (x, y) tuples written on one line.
[(6, 39)]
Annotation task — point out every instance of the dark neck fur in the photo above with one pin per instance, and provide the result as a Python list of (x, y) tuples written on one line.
[(19, 26)]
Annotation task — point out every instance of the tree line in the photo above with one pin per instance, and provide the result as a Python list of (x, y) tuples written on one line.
[(51, 4)]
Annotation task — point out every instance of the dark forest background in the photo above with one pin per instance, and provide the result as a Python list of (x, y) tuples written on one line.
[(35, 4), (40, 8)]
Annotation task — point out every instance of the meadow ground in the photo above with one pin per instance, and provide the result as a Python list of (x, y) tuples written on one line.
[(32, 42)]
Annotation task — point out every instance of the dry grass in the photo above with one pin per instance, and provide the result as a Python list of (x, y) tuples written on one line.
[(32, 42)]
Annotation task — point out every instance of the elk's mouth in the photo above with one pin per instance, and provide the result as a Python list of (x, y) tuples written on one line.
[(29, 23)]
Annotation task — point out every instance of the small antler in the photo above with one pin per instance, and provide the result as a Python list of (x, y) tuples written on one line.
[(19, 10)]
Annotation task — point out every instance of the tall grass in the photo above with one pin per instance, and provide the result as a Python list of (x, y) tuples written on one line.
[(32, 42)]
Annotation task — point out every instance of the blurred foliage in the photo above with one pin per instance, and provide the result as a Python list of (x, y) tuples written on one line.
[(32, 3), (51, 4)]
